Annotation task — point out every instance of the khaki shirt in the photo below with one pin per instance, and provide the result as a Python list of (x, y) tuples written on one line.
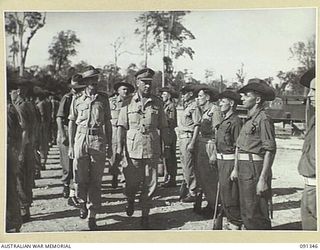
[(227, 133), (64, 108), (257, 134), (190, 117), (171, 114), (90, 112), (307, 163), (13, 127), (115, 106), (143, 123), (211, 117), (25, 116)]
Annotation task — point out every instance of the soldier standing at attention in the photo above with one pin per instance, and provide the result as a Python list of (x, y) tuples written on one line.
[(13, 214), (307, 163), (122, 90), (26, 164), (140, 121), (226, 136), (93, 134), (69, 186), (188, 131), (170, 158), (255, 152), (206, 161)]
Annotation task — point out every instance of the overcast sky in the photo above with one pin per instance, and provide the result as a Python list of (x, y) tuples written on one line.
[(224, 39)]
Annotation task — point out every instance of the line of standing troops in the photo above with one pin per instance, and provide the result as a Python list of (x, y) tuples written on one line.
[(227, 161)]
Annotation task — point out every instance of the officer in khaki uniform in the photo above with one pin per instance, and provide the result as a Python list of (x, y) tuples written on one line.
[(188, 131), (307, 163), (142, 122), (255, 152), (226, 136), (14, 132), (206, 169), (69, 186), (122, 91), (91, 113), (170, 159), (26, 164)]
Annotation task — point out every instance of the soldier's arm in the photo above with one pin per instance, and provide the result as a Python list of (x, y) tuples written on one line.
[(234, 173), (72, 127), (196, 116), (60, 116)]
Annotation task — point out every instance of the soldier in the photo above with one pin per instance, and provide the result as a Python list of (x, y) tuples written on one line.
[(93, 134), (226, 136), (307, 163), (255, 151), (122, 90), (54, 109), (170, 160), (140, 121), (188, 131), (66, 163), (206, 162), (14, 132), (26, 164)]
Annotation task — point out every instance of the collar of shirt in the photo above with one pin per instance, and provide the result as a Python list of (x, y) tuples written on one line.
[(167, 103), (91, 97), (205, 108), (254, 114), (137, 98), (19, 100), (187, 103), (228, 117)]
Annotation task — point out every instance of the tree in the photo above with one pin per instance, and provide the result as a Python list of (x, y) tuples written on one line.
[(241, 75), (62, 48), (23, 26), (305, 53)]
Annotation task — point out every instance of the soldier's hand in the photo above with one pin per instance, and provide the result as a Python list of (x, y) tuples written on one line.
[(262, 186), (234, 175), (109, 152), (190, 147), (213, 160), (65, 140), (71, 153)]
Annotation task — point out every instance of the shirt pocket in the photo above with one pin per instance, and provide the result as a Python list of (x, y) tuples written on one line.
[(130, 140), (98, 113), (83, 111)]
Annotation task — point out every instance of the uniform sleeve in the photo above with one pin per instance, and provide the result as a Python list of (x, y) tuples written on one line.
[(163, 123), (23, 115), (61, 109), (196, 116), (107, 110), (42, 108), (216, 116), (236, 130), (123, 118), (268, 135), (73, 114)]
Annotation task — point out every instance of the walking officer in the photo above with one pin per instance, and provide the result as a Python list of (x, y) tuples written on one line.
[(255, 152), (170, 158), (206, 162), (142, 122), (188, 131), (122, 91), (93, 134), (307, 163), (226, 136), (69, 186)]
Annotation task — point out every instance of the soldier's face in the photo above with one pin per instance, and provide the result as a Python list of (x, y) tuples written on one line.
[(312, 92), (225, 105), (123, 91), (203, 98), (144, 87), (14, 94), (165, 96), (249, 99)]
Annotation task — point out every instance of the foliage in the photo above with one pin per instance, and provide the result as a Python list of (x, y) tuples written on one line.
[(304, 53)]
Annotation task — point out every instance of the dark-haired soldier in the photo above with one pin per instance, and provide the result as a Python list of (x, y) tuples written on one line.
[(255, 152), (226, 136), (307, 163), (122, 91)]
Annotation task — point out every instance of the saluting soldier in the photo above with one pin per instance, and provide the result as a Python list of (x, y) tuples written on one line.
[(26, 164), (226, 136), (307, 163), (140, 121), (122, 91), (170, 158), (206, 161), (14, 132), (188, 131), (255, 152), (69, 186), (91, 113)]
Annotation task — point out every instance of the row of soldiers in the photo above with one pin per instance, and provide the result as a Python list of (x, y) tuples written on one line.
[(227, 161), (31, 129)]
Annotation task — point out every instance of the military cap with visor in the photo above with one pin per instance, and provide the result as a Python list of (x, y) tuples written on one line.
[(307, 77), (231, 95), (145, 74), (125, 84), (259, 86), (171, 91)]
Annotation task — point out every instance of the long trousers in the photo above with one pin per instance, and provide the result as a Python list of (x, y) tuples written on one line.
[(170, 160), (141, 173)]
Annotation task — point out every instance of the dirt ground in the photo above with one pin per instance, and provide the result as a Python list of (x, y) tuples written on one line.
[(51, 213)]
